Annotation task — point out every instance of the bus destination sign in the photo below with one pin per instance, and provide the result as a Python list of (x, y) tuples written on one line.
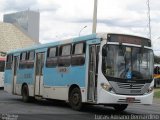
[(129, 39)]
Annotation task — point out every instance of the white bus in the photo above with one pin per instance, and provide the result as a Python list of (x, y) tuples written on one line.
[(103, 69)]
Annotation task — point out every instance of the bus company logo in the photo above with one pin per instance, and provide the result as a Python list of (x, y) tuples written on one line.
[(131, 85)]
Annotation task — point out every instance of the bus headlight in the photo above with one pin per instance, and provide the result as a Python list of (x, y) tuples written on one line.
[(150, 89), (106, 86)]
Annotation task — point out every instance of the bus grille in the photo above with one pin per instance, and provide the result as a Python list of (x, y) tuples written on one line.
[(129, 88), (130, 85)]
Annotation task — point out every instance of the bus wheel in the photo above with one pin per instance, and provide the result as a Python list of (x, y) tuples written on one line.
[(75, 99), (120, 107), (25, 93)]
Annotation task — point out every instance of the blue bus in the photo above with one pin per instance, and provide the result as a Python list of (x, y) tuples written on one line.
[(104, 69)]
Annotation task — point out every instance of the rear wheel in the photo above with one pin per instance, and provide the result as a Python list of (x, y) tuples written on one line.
[(75, 99), (25, 93), (120, 107)]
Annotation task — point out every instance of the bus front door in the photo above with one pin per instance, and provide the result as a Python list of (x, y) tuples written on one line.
[(93, 73), (14, 68), (39, 74)]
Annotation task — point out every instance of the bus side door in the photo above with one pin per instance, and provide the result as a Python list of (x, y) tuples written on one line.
[(39, 73), (93, 71), (15, 68)]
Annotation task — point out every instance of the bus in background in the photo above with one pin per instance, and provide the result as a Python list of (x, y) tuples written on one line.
[(2, 66), (103, 69), (156, 75)]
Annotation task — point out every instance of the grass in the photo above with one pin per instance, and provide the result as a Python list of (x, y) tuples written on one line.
[(157, 93)]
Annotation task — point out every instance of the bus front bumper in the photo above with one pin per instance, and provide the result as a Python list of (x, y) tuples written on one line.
[(105, 97)]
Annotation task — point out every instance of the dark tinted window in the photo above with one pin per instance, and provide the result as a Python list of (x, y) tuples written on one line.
[(52, 57), (2, 64), (52, 52), (78, 48), (31, 55), (65, 58), (9, 61), (23, 56), (27, 60), (66, 50), (9, 58), (78, 56)]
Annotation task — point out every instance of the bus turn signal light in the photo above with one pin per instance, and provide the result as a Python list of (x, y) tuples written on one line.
[(106, 86)]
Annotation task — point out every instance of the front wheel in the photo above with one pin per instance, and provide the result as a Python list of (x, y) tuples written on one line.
[(75, 99), (120, 107)]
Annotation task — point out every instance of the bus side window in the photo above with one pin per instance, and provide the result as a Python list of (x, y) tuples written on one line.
[(78, 54), (65, 55), (2, 65), (52, 57), (23, 58), (31, 55), (30, 59), (9, 61)]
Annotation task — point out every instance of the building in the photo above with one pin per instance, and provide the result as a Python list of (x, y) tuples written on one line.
[(26, 21), (13, 38)]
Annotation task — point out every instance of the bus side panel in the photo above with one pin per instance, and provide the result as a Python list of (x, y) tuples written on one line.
[(8, 81), (50, 76), (57, 81), (25, 76)]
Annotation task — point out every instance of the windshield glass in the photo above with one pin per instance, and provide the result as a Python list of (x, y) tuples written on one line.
[(127, 62)]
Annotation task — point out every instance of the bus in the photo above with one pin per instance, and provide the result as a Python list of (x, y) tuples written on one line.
[(156, 75), (2, 66), (103, 69)]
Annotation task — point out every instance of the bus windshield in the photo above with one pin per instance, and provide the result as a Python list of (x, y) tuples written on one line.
[(127, 62)]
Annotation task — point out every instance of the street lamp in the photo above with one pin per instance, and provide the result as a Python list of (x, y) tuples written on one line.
[(81, 30)]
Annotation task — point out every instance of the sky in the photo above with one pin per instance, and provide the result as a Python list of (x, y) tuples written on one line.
[(63, 19)]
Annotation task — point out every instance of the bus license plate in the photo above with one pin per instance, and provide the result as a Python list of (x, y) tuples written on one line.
[(130, 100)]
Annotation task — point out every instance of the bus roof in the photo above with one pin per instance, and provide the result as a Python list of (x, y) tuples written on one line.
[(39, 46), (60, 42)]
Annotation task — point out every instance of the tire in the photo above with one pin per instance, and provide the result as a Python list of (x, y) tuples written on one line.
[(25, 94), (75, 99), (120, 107)]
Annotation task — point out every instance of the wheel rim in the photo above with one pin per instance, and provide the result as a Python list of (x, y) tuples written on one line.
[(75, 98)]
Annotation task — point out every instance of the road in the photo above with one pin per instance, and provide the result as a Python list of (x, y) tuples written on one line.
[(11, 106)]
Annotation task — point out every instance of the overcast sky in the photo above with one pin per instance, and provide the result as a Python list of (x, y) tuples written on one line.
[(61, 19)]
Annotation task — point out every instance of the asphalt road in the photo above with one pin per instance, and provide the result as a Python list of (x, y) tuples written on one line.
[(12, 108)]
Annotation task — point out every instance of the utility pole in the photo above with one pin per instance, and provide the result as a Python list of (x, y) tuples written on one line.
[(94, 17), (149, 20)]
